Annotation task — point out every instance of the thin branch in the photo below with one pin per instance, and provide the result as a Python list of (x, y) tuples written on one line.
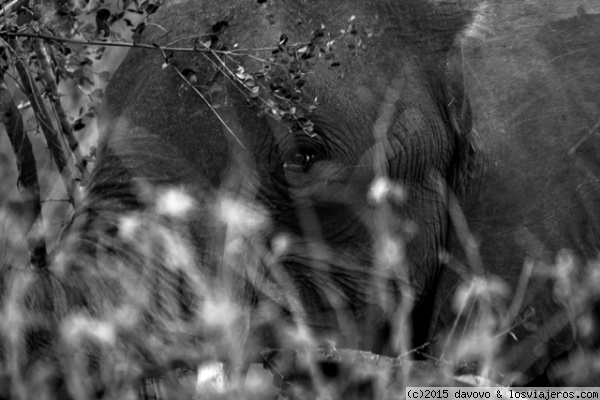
[(55, 201), (51, 136), (414, 350), (130, 45), (7, 7), (520, 292), (237, 82), (27, 180), (49, 79), (211, 108), (184, 38)]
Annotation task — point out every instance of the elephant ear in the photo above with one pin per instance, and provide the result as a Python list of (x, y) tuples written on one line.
[(439, 30), (467, 162)]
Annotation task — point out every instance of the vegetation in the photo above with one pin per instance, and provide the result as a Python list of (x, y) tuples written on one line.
[(131, 339)]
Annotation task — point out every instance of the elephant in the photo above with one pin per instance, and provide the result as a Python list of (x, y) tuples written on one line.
[(342, 174)]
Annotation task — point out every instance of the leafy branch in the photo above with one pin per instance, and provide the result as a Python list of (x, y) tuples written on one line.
[(40, 48), (276, 88)]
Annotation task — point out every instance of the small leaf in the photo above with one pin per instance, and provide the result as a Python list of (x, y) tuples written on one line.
[(151, 8), (139, 29), (24, 17), (104, 76), (220, 26), (217, 94), (78, 125), (187, 72), (102, 14), (87, 28), (97, 94), (530, 326), (529, 313)]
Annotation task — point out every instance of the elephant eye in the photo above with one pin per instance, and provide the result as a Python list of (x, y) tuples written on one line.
[(299, 161), (303, 153), (297, 158)]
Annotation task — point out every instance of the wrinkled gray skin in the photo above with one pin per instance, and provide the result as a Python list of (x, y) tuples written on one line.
[(522, 195)]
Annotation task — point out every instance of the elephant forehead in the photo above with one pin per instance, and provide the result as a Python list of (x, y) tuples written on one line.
[(397, 40), (276, 13), (399, 23)]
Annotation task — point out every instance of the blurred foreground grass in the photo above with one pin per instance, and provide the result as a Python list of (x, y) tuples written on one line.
[(129, 342)]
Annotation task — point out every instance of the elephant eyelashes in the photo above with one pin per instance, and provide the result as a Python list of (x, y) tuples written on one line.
[(302, 155), (299, 162), (298, 159)]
